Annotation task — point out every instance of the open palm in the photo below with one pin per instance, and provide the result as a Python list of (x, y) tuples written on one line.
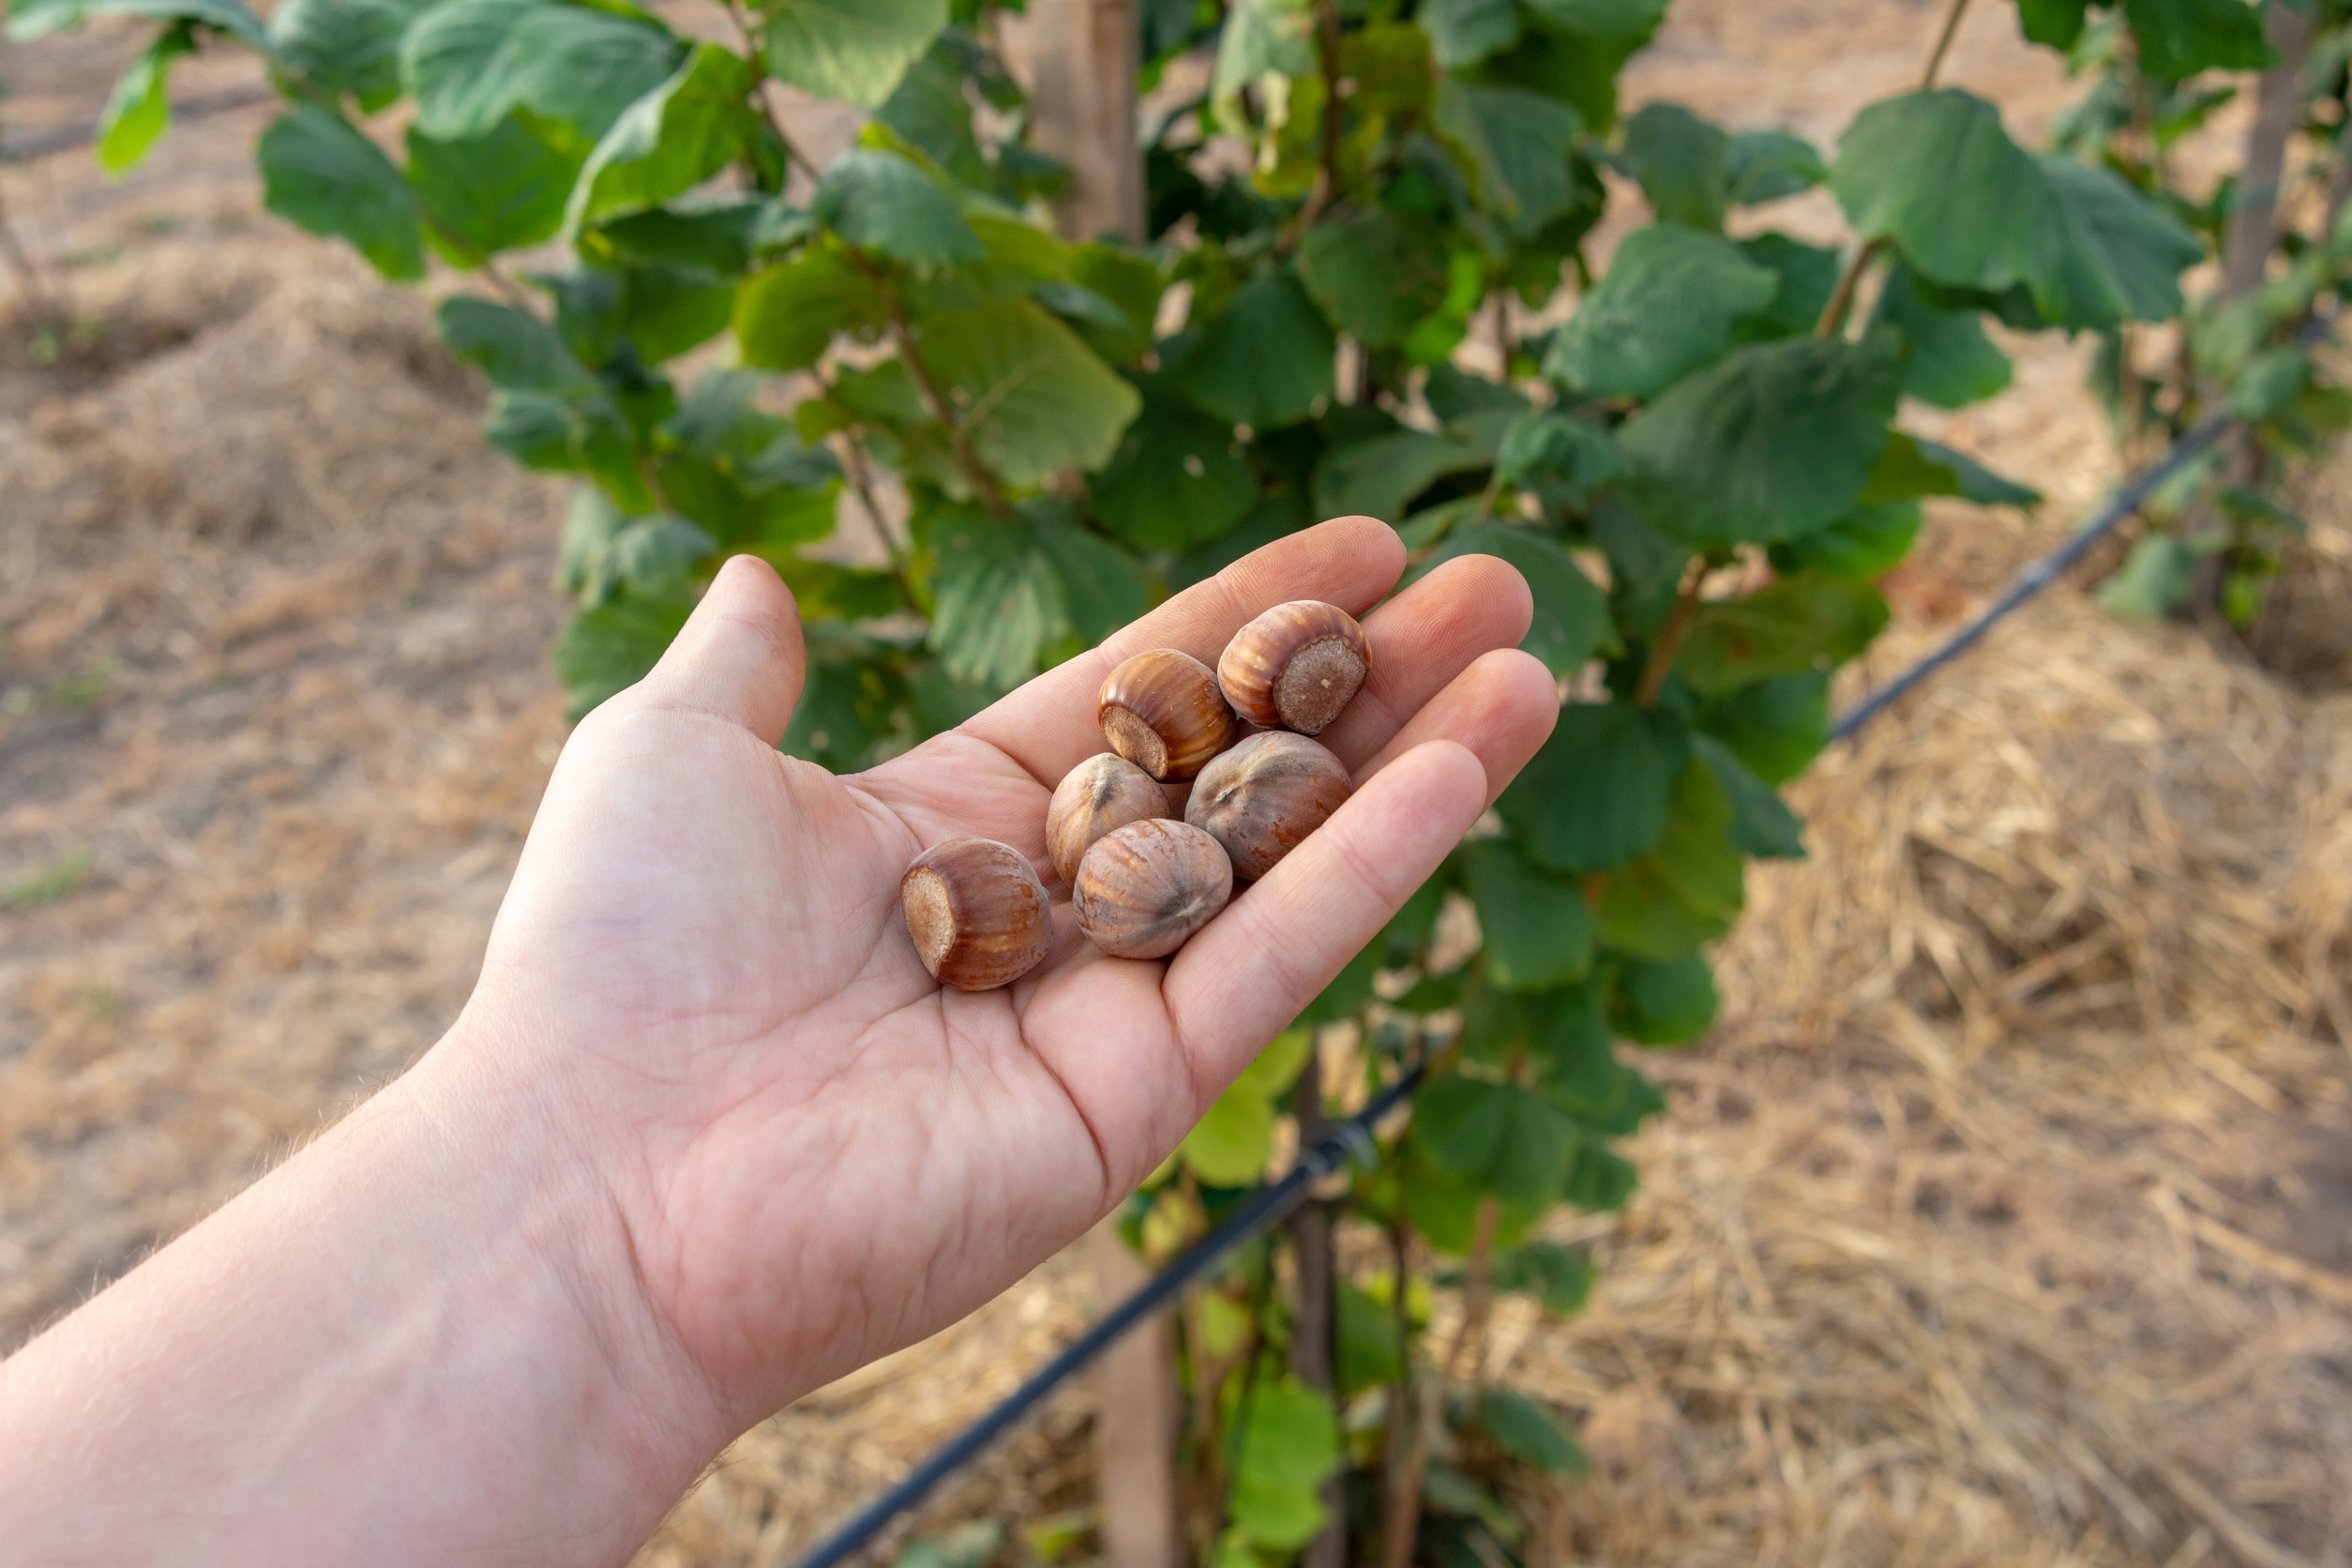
[(826, 1155)]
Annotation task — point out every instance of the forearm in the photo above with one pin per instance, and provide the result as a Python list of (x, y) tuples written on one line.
[(419, 1340)]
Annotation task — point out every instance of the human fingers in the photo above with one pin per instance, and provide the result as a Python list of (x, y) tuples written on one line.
[(1423, 640), (739, 655), (1255, 967), (1048, 726), (1501, 708)]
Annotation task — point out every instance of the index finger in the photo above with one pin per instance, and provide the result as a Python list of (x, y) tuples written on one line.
[(1048, 726)]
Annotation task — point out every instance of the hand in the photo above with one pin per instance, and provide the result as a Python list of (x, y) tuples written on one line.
[(707, 1134), (818, 1154)]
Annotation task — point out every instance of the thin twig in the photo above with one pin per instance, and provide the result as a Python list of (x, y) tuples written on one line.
[(861, 479), (1943, 44), (1668, 646), (1842, 300), (1326, 187), (759, 58), (958, 439)]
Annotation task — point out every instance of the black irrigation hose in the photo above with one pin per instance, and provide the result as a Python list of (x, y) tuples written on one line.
[(1267, 1206), (2122, 504), (2042, 573)]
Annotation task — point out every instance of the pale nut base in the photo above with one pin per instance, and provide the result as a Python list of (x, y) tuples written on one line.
[(1137, 741), (1319, 682), (930, 921)]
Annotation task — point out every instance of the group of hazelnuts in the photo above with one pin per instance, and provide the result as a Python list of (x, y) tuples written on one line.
[(1141, 881)]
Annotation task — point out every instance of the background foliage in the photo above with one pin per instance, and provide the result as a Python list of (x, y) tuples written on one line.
[(975, 447)]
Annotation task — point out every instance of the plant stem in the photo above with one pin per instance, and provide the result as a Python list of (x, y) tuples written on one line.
[(1842, 299), (861, 477), (759, 59), (1311, 1328), (1668, 646), (1326, 186), (1943, 44), (958, 439), (1400, 1513)]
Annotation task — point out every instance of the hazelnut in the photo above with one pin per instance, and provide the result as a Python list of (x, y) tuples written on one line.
[(1144, 888), (1296, 666), (1103, 792), (1163, 711), (978, 913), (1260, 798)]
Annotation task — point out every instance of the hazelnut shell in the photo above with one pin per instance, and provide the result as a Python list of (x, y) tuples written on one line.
[(1101, 793), (1145, 888), (978, 913), (1296, 666), (1163, 711), (1262, 797)]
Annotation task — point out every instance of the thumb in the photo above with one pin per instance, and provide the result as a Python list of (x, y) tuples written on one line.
[(739, 655)]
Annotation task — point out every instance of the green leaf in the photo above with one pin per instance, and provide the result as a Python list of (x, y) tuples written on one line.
[(1771, 442), (609, 648), (1376, 477), (881, 201), (1288, 1450), (1260, 37), (1807, 276), (1774, 727), (1518, 143), (35, 18), (1666, 306), (1559, 1278), (2179, 39), (1230, 1146), (1375, 273), (1005, 589), (1265, 360), (139, 110), (512, 347), (673, 139), (1033, 398), (1912, 467), (1572, 621), (719, 235), (1538, 931), (2109, 256), (2056, 22), (1596, 795), (1529, 1434), (1464, 32), (1761, 824), (1664, 1003), (346, 46), (1176, 481), (1768, 165), (1868, 542), (2152, 583), (1369, 1354), (852, 50), (1936, 172), (1802, 621), (1686, 892), (504, 190), (1684, 164), (1952, 362), (786, 316), (320, 172), (468, 62), (1506, 1138)]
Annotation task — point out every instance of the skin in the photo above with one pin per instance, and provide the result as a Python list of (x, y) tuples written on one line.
[(706, 1137)]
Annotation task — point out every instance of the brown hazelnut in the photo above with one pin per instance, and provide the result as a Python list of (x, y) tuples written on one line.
[(1163, 711), (978, 913), (1104, 792), (1296, 666), (1260, 798), (1143, 889)]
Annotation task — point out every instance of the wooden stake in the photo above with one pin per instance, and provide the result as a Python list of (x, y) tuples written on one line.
[(1083, 104), (1135, 1418)]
